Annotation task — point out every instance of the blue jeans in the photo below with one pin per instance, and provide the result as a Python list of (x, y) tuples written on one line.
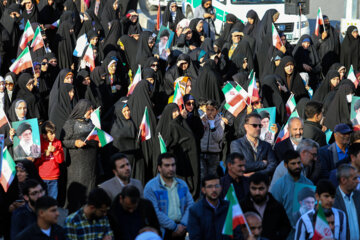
[(52, 187)]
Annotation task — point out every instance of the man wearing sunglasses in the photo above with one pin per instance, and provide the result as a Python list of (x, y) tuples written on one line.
[(258, 154)]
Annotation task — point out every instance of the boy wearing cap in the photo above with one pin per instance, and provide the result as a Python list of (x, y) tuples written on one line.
[(330, 155), (26, 148)]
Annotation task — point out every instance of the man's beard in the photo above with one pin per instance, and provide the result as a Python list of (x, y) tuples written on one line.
[(294, 173), (296, 140), (258, 199)]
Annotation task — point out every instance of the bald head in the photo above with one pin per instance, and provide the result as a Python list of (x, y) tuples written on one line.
[(255, 223), (296, 129)]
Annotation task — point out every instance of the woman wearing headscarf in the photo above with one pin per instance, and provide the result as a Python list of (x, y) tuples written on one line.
[(125, 138), (64, 76), (129, 46), (91, 22), (146, 44), (10, 80), (81, 83), (116, 87), (350, 49), (207, 12), (30, 11), (340, 68), (274, 96), (109, 13), (53, 67), (331, 81), (339, 112), (70, 7), (67, 41), (180, 140), (184, 68), (97, 92), (253, 24), (198, 34), (193, 118), (172, 15), (4, 98), (131, 24), (111, 38), (274, 63), (83, 154), (291, 78), (231, 22), (26, 87), (307, 59)]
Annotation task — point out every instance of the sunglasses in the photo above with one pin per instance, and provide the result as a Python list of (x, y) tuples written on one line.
[(255, 103), (255, 125), (44, 63), (155, 65), (9, 84), (190, 104)]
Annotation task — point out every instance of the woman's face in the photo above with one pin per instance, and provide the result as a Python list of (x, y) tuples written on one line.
[(44, 65), (88, 113), (30, 85), (21, 110), (69, 78), (277, 63), (94, 41), (189, 105), (250, 20), (2, 86), (173, 7), (126, 112), (175, 114), (50, 2), (305, 45), (21, 174), (71, 94), (276, 16), (188, 87), (9, 86), (355, 34), (112, 68), (155, 66), (289, 69), (199, 26), (150, 80), (335, 81), (342, 73), (207, 4), (184, 66), (86, 81)]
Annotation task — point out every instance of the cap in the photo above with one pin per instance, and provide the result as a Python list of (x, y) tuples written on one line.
[(342, 128), (22, 128), (305, 193)]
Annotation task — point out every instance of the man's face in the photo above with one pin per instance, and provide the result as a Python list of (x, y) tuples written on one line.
[(167, 168), (355, 160), (308, 203), (212, 189), (253, 127), (255, 226), (26, 136), (326, 200), (164, 39), (294, 167), (258, 192), (50, 215), (308, 156), (331, 222), (123, 169), (238, 168), (265, 123), (296, 130), (34, 194), (128, 205), (98, 213), (351, 182), (342, 139)]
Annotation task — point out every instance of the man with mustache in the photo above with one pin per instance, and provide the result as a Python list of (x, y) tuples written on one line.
[(283, 189), (275, 223)]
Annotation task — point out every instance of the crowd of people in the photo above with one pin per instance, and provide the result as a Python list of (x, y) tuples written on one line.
[(174, 183)]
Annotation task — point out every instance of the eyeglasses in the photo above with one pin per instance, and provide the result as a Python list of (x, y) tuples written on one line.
[(37, 192), (190, 104), (255, 103), (213, 186), (44, 63), (314, 155), (255, 125)]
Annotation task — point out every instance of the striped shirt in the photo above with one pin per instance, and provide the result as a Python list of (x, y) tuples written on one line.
[(78, 227), (305, 226)]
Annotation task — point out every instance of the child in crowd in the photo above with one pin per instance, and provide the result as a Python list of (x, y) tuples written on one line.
[(52, 155)]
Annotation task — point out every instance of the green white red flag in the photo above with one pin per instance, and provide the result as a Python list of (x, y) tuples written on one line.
[(284, 132), (8, 170), (27, 35), (276, 37), (101, 136), (95, 118), (55, 24), (319, 21), (290, 105), (178, 98), (351, 76), (235, 216), (253, 90), (235, 101), (22, 62), (37, 41), (162, 145), (144, 132), (136, 80), (89, 57), (322, 228)]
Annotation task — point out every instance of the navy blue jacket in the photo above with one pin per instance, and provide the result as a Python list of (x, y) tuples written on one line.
[(206, 223), (21, 219), (33, 232), (281, 148), (329, 160), (264, 152)]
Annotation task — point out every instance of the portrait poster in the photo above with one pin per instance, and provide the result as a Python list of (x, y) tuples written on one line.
[(304, 199), (355, 113), (268, 118), (26, 140), (163, 42)]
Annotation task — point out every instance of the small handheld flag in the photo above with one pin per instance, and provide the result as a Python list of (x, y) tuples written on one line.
[(37, 41), (136, 80), (144, 131), (162, 145), (276, 38), (99, 135), (22, 62), (27, 35), (319, 21)]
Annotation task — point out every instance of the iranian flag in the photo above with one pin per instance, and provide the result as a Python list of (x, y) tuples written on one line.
[(136, 80), (235, 216), (276, 38), (95, 118), (55, 24), (3, 119), (22, 62), (284, 132), (319, 21), (89, 57), (253, 91), (144, 132), (101, 136), (290, 105), (8, 170), (37, 41), (27, 35), (178, 98), (351, 76), (235, 102), (162, 144), (322, 228)]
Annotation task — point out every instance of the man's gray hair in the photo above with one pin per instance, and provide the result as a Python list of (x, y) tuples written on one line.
[(253, 214), (293, 119), (306, 145), (343, 171)]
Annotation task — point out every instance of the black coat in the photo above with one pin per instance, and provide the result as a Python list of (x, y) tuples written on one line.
[(281, 148), (275, 223), (313, 131), (33, 232), (241, 188)]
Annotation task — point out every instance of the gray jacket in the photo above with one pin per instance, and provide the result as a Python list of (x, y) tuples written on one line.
[(212, 138)]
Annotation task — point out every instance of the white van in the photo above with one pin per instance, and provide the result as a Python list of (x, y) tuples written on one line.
[(289, 24)]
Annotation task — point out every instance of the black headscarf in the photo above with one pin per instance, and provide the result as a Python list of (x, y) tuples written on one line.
[(112, 37), (236, 24), (305, 56), (80, 109), (325, 86), (339, 112), (31, 15), (54, 93), (12, 113), (144, 51), (350, 50), (109, 14), (130, 27), (252, 29), (80, 87), (242, 79), (28, 96), (66, 44), (195, 40), (130, 49), (167, 17)]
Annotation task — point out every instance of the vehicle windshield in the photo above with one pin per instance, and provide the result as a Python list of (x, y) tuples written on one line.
[(256, 1)]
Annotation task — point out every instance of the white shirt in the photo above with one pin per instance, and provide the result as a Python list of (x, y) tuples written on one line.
[(47, 232)]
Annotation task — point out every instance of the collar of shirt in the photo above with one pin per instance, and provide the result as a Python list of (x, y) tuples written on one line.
[(122, 183), (253, 145), (341, 151), (293, 144), (174, 183), (345, 196), (214, 207)]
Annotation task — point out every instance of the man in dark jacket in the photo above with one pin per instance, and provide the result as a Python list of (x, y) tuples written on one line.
[(207, 216), (312, 127), (258, 154), (130, 213), (275, 223), (45, 227)]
